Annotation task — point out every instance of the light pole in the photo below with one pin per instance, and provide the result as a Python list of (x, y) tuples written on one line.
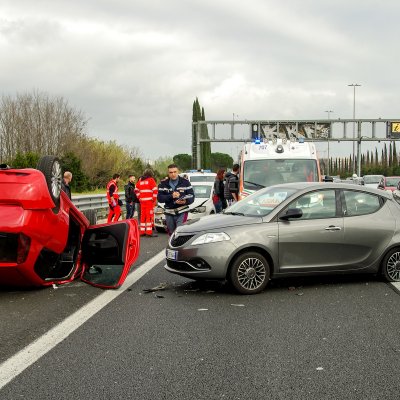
[(354, 85), (329, 114)]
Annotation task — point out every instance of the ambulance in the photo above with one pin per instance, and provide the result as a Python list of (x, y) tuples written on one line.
[(267, 162)]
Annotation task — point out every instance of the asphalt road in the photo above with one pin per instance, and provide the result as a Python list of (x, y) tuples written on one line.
[(331, 338)]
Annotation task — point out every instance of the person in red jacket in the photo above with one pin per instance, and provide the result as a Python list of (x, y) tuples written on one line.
[(113, 199), (146, 191)]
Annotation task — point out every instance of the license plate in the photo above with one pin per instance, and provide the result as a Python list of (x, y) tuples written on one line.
[(172, 254)]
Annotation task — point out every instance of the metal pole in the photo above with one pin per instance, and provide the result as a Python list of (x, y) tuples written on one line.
[(359, 149), (198, 146), (354, 126), (327, 168)]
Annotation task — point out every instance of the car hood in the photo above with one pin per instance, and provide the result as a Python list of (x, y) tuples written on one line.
[(197, 202), (217, 221)]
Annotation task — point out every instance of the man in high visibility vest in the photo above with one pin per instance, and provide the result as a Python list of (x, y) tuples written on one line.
[(113, 199), (146, 191)]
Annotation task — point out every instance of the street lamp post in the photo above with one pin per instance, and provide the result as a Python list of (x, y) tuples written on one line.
[(354, 85), (329, 114)]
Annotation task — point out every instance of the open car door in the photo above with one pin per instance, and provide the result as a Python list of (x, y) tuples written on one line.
[(108, 252)]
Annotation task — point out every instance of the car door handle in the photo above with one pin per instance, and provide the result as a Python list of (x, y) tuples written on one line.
[(333, 228)]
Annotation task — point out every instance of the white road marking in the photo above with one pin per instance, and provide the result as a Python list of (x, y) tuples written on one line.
[(12, 367), (396, 285)]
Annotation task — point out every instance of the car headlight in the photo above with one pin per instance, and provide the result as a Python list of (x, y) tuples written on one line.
[(211, 238), (201, 209)]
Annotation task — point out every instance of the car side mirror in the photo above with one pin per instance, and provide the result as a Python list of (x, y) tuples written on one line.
[(291, 213), (327, 178)]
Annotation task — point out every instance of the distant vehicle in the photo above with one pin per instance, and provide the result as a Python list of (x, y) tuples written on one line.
[(199, 175), (294, 229), (272, 162), (45, 239), (389, 183), (372, 180), (202, 205)]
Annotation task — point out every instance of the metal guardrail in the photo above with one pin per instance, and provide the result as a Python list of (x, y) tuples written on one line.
[(95, 202)]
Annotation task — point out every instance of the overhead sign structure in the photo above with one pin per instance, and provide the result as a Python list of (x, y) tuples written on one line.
[(393, 130), (288, 130)]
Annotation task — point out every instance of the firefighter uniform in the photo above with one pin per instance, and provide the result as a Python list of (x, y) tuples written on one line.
[(146, 191), (113, 201)]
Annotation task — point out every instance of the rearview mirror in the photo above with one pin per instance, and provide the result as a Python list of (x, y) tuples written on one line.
[(291, 213)]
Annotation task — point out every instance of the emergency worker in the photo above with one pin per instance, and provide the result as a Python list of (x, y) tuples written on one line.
[(113, 199), (177, 193), (146, 191)]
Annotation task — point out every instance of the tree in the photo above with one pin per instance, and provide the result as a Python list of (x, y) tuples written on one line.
[(36, 123), (221, 160), (25, 160), (201, 130), (70, 162), (183, 161), (160, 167)]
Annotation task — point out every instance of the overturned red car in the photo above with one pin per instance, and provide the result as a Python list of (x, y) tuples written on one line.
[(45, 239)]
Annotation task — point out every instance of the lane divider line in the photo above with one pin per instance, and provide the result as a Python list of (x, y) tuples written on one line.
[(396, 285), (16, 364)]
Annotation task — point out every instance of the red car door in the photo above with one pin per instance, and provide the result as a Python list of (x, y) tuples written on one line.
[(108, 252)]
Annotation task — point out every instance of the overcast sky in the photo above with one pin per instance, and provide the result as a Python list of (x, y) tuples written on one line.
[(135, 67)]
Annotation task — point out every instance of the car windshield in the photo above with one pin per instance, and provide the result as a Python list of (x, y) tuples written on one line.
[(202, 178), (261, 203), (372, 179), (392, 181), (202, 191)]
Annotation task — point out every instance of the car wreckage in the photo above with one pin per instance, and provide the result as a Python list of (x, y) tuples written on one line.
[(45, 239)]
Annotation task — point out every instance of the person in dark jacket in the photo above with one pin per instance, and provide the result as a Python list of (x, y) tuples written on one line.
[(177, 193), (130, 197), (218, 198), (231, 185), (65, 183)]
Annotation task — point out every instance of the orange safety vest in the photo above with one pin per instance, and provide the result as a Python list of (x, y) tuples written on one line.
[(115, 194), (146, 190)]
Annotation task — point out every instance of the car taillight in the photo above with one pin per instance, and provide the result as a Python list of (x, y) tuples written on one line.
[(24, 243)]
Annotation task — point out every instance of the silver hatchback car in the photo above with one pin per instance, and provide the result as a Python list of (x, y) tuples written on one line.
[(291, 230)]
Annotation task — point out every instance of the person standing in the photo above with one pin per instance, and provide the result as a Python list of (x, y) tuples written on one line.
[(231, 185), (146, 191), (67, 178), (130, 197), (113, 199), (176, 193), (218, 198)]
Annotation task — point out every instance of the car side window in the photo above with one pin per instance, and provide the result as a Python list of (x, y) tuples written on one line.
[(359, 203), (315, 205)]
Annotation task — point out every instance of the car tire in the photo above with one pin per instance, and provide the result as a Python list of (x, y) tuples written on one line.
[(91, 215), (249, 273), (391, 266), (51, 168)]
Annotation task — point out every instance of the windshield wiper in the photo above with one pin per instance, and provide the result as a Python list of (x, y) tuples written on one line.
[(253, 183), (234, 213)]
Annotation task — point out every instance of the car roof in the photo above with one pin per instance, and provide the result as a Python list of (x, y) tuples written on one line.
[(334, 185)]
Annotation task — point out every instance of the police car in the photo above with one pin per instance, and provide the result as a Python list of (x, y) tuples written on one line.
[(202, 205), (201, 175)]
